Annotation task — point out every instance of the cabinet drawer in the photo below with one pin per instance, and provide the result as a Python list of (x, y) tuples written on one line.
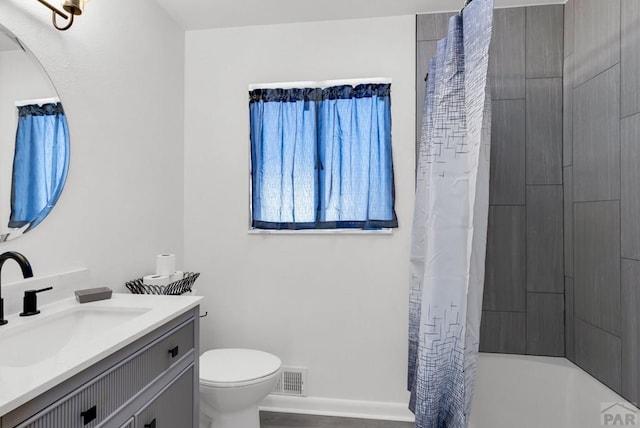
[(93, 403), (172, 407)]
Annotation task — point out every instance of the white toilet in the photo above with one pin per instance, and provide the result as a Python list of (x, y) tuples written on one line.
[(232, 384)]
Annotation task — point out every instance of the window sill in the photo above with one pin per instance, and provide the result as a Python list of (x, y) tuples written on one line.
[(321, 232)]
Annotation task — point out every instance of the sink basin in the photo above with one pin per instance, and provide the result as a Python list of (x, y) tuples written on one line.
[(42, 337), (40, 352)]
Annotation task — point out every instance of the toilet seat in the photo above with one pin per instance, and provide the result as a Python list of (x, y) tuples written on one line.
[(227, 368)]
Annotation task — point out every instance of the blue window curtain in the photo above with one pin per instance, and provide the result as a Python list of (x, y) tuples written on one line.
[(321, 158), (40, 163)]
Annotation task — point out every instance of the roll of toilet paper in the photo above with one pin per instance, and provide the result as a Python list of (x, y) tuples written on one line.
[(159, 280), (165, 264), (177, 276)]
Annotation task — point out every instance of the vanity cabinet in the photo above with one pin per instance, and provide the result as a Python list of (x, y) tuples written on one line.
[(172, 407), (152, 383)]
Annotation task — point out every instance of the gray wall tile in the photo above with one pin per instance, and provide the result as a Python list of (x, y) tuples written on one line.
[(507, 182), (544, 131), (544, 51), (505, 268), (602, 327), (424, 52), (507, 54), (567, 112), (545, 259), (503, 332), (597, 37), (596, 138), (545, 324), (568, 221), (597, 263), (504, 307), (568, 27), (599, 353), (630, 57), (631, 330), (569, 316), (630, 183), (432, 26)]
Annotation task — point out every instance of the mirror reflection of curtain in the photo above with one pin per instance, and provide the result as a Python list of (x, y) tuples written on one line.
[(40, 163)]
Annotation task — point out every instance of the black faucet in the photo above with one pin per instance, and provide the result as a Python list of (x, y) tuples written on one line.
[(27, 272)]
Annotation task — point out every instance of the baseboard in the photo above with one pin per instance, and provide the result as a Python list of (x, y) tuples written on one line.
[(334, 407)]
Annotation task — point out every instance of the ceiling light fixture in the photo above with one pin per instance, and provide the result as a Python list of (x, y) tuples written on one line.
[(73, 7)]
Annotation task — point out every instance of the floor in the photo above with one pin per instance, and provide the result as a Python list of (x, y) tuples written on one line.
[(291, 420)]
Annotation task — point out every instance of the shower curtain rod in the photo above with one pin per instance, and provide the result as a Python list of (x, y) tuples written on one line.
[(466, 3)]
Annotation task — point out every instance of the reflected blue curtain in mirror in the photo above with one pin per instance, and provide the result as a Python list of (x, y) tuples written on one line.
[(321, 158), (40, 163)]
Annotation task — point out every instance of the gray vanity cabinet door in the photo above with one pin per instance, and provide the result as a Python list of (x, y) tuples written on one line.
[(129, 424), (172, 407)]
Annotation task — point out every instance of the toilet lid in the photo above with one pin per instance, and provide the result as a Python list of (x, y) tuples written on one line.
[(236, 365)]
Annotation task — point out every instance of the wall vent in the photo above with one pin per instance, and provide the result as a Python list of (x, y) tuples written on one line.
[(292, 381)]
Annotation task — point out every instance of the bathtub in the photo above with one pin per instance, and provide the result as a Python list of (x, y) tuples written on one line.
[(540, 392)]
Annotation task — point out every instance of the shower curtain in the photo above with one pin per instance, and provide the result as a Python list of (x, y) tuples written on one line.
[(450, 223)]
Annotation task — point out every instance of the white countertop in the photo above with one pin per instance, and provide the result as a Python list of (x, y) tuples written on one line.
[(18, 385)]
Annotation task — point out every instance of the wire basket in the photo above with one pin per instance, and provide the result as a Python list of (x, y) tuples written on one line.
[(180, 286)]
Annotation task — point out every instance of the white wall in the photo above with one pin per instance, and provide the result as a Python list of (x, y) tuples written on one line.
[(119, 72), (336, 304)]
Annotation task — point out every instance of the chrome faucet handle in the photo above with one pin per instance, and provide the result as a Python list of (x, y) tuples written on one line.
[(30, 302)]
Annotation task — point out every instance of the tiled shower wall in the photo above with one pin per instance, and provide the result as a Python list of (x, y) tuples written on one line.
[(602, 190), (523, 309)]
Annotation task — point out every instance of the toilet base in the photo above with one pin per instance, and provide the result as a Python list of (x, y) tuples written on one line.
[(245, 418)]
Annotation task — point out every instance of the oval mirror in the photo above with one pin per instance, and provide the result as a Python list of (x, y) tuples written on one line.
[(34, 140)]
